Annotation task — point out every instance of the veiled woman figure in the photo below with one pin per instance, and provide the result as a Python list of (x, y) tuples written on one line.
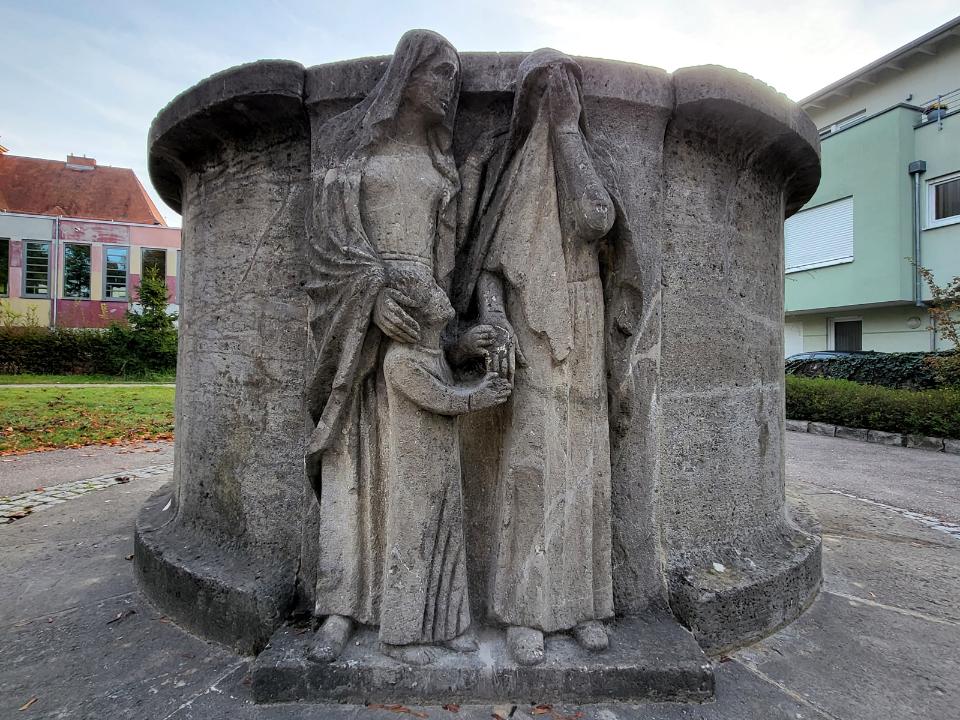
[(385, 190), (529, 265)]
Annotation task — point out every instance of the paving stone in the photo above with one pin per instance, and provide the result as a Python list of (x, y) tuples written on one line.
[(856, 661)]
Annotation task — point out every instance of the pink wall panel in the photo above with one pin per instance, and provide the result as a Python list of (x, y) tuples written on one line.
[(155, 237), (94, 232), (16, 265), (89, 313)]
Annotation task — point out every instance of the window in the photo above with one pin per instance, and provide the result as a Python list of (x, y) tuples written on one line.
[(115, 264), (943, 201), (153, 261), (820, 236), (36, 269), (847, 334), (4, 266), (76, 271)]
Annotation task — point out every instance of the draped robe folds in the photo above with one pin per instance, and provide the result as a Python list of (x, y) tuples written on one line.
[(551, 557), (349, 449), (347, 397)]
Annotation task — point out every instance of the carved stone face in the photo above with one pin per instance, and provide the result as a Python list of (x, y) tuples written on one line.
[(433, 83)]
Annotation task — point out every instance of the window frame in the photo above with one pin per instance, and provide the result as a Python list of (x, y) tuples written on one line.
[(831, 329), (143, 250), (63, 273), (25, 245), (126, 274), (932, 184), (7, 268)]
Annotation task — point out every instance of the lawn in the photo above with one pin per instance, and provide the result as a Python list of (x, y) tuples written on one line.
[(27, 379), (58, 417)]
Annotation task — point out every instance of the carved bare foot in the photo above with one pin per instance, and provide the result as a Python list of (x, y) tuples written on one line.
[(465, 643), (525, 644), (412, 654), (591, 635), (331, 638)]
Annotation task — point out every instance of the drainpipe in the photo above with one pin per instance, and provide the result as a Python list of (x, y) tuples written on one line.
[(917, 168), (55, 262)]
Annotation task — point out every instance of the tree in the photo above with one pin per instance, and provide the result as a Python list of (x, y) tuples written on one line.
[(944, 308), (153, 298)]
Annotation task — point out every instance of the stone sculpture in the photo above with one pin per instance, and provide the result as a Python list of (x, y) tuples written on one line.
[(518, 318), (530, 266), (385, 187)]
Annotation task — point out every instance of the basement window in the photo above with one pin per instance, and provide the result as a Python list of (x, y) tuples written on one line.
[(943, 201)]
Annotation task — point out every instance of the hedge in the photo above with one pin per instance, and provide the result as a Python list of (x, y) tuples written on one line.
[(841, 402), (116, 350), (914, 370)]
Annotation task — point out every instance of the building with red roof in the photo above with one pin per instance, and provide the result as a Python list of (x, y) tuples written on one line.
[(75, 238)]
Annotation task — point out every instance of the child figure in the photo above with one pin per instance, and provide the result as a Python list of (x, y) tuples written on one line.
[(424, 602)]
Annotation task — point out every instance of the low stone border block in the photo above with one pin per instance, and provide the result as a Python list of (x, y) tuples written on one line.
[(927, 443), (822, 429), (846, 433), (881, 437), (884, 438), (798, 425)]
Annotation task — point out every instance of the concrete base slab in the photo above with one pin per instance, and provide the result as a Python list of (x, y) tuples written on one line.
[(650, 658)]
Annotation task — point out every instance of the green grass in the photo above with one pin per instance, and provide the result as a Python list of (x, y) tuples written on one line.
[(28, 379), (58, 417)]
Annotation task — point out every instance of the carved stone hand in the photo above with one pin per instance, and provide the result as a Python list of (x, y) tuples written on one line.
[(393, 319), (493, 390)]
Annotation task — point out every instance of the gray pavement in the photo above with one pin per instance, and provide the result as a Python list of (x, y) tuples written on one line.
[(919, 480), (882, 641), (22, 473)]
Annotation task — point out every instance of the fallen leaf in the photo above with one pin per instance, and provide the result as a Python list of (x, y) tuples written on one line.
[(122, 615), (122, 479), (451, 707), (28, 703), (725, 658), (398, 709), (129, 557)]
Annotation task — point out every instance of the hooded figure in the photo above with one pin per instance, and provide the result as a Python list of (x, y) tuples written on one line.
[(528, 264), (384, 192)]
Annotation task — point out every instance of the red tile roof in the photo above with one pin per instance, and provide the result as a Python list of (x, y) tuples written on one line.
[(77, 188)]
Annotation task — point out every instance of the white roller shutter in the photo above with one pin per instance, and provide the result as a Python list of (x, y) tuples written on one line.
[(820, 236)]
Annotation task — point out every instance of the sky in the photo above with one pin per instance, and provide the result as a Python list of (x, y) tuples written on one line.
[(88, 77)]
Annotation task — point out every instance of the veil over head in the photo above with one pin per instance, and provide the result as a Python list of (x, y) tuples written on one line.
[(346, 270)]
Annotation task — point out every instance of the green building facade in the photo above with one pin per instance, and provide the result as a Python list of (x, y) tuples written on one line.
[(851, 282)]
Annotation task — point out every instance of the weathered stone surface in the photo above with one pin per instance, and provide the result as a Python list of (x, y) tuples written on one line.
[(596, 225), (924, 442), (848, 433), (818, 428), (951, 446), (884, 438), (797, 425), (650, 658)]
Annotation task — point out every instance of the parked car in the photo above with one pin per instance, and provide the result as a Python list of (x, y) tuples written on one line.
[(827, 354)]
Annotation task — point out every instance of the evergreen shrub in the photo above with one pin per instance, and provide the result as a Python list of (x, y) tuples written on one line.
[(841, 402)]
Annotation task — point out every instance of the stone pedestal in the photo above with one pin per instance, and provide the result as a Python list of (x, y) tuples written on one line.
[(707, 163)]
